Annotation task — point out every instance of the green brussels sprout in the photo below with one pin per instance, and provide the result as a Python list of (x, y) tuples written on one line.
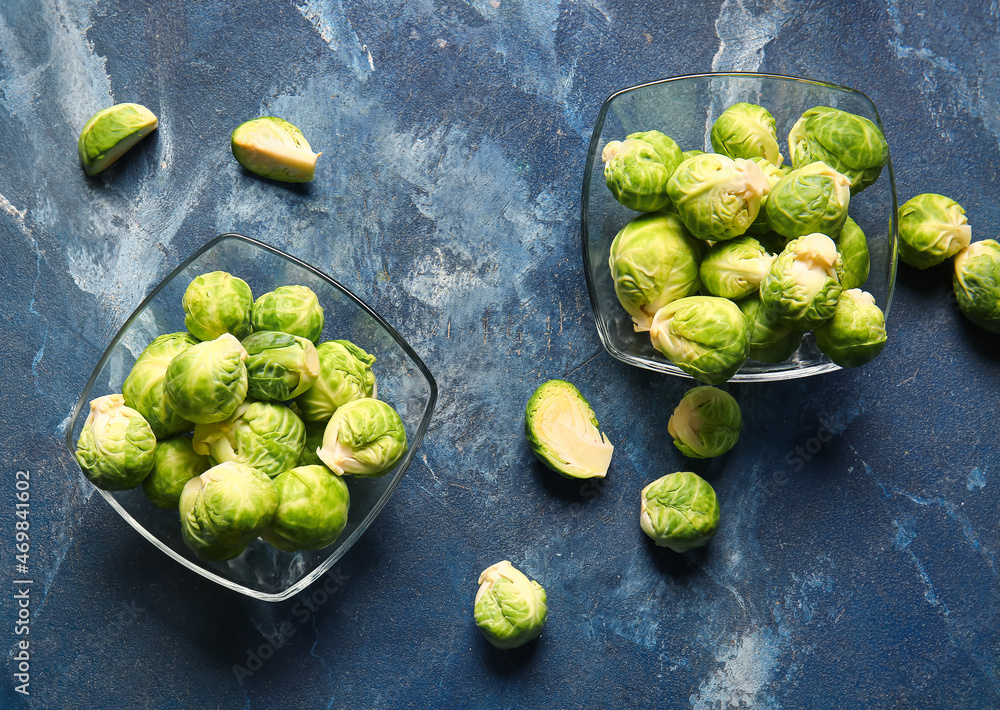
[(143, 388), (773, 174), (653, 261), (510, 609), (856, 333), (932, 228), (679, 511), (364, 437), (289, 309), (977, 283), (208, 381), (345, 374), (853, 248), (691, 153), (802, 286), (111, 132), (717, 197), (636, 170), (115, 448), (850, 144), (770, 340), (705, 336), (706, 423), (175, 462), (563, 432), (813, 198), (279, 366), (747, 131), (312, 509), (226, 508), (734, 269), (217, 303), (314, 440), (267, 436), (273, 148)]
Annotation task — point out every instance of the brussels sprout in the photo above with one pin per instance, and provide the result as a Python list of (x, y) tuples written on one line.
[(217, 303), (747, 131), (267, 436), (110, 133), (734, 269), (143, 388), (856, 333), (932, 228), (706, 423), (653, 261), (770, 340), (314, 440), (279, 366), (345, 374), (208, 381), (977, 283), (273, 148), (312, 509), (813, 198), (563, 433), (226, 508), (175, 462), (510, 609), (365, 437), (850, 144), (803, 284), (705, 336), (679, 511), (115, 448), (289, 309), (636, 170), (717, 197), (853, 248)]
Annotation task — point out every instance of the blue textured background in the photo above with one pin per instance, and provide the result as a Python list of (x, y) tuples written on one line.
[(856, 562)]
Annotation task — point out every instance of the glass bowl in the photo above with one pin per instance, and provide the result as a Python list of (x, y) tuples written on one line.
[(684, 108), (262, 571)]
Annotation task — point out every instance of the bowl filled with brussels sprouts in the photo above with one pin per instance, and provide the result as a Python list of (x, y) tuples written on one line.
[(739, 227), (252, 418)]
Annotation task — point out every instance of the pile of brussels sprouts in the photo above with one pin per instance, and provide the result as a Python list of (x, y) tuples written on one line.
[(245, 423), (739, 254)]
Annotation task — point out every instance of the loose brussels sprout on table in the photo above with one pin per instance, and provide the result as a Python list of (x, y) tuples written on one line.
[(208, 381), (312, 509), (217, 303), (279, 366), (563, 432), (705, 336), (679, 511), (932, 229), (110, 133), (264, 435), (802, 286), (850, 144), (274, 148), (855, 335), (175, 462), (734, 269), (746, 130), (706, 423), (509, 608), (637, 169), (813, 198), (289, 309), (143, 388), (115, 448), (345, 374), (364, 437), (977, 283)]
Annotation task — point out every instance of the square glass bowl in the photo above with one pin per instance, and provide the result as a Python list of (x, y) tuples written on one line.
[(403, 381), (684, 108)]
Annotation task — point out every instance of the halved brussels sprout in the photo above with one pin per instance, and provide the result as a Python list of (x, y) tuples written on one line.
[(636, 170), (717, 197), (264, 435), (289, 309), (110, 133), (175, 462), (279, 366), (770, 340), (364, 437), (977, 283), (802, 286), (853, 248), (856, 333), (143, 388), (813, 198), (563, 432), (345, 374), (679, 511), (510, 609), (706, 423), (208, 381), (273, 148), (312, 509), (217, 303), (705, 336), (932, 228), (734, 269), (748, 131), (226, 508), (115, 448), (850, 144), (653, 261)]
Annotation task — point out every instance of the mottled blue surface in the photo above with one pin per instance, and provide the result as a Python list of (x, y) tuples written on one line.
[(856, 562)]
